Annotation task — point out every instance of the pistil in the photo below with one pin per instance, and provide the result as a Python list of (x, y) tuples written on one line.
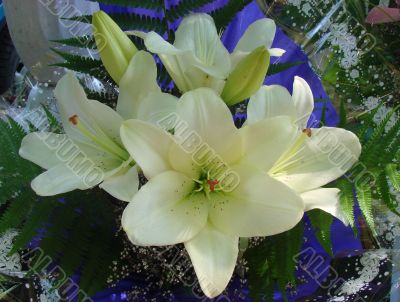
[(106, 144)]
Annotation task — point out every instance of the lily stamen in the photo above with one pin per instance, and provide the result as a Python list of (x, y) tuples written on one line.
[(107, 144)]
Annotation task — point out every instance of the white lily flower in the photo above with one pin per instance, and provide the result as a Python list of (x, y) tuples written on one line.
[(317, 157), (188, 198), (198, 58), (91, 152)]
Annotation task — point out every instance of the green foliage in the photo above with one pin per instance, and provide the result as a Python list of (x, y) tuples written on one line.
[(16, 173), (75, 230), (81, 42), (321, 223), (225, 15), (156, 5), (347, 200), (280, 67), (273, 262), (85, 65), (184, 8), (130, 21), (377, 168), (364, 197)]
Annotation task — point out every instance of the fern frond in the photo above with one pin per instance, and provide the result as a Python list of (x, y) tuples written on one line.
[(322, 222), (346, 197), (385, 195), (107, 98), (16, 211), (280, 67), (373, 146), (364, 197), (184, 8), (156, 5), (80, 42), (394, 175), (224, 16), (84, 65), (41, 210), (131, 21), (54, 125)]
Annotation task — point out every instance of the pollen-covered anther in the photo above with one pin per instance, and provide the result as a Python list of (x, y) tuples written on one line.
[(308, 132), (73, 120), (212, 183)]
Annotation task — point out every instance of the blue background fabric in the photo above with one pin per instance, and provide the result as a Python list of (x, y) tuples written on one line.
[(342, 237)]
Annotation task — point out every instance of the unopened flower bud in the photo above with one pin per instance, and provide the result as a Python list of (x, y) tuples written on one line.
[(115, 48), (247, 77)]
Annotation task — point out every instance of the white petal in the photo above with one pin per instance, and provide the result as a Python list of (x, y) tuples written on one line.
[(259, 206), (259, 33), (40, 148), (156, 107), (320, 159), (139, 80), (148, 145), (203, 112), (122, 185), (164, 213), (270, 101), (107, 119), (176, 61), (60, 179), (214, 256), (303, 100), (97, 117), (156, 44), (326, 199), (266, 140), (198, 33), (276, 52)]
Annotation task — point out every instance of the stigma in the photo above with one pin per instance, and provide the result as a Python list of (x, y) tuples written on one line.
[(212, 183), (73, 120), (308, 132)]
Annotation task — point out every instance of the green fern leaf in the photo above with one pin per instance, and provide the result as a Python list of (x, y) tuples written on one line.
[(346, 197), (280, 67), (184, 8), (80, 42), (394, 175), (225, 15), (373, 147), (385, 195), (364, 197), (322, 222), (156, 5), (131, 21), (85, 65)]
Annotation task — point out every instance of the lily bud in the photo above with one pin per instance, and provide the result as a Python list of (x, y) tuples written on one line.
[(247, 77), (115, 48)]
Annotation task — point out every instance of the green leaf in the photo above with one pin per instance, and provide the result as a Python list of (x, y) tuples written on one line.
[(280, 67), (82, 64), (184, 7), (130, 21), (321, 223), (364, 197), (81, 42), (385, 195), (346, 197), (394, 175), (156, 5), (224, 16)]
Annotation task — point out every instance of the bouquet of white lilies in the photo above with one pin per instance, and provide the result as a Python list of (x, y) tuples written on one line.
[(208, 182)]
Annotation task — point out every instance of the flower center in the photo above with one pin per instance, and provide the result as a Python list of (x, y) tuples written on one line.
[(207, 184), (102, 141)]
